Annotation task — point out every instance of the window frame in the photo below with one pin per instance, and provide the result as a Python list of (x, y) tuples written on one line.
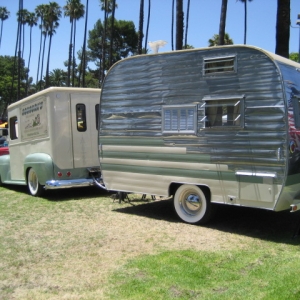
[(238, 98), (218, 59), (81, 124), (179, 109)]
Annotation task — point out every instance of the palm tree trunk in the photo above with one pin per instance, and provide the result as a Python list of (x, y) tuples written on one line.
[(70, 54), (1, 32), (40, 50), (103, 42), (187, 23), (283, 28), (73, 55), (148, 22), (48, 61), (179, 24), (43, 55), (222, 22), (112, 32), (83, 55), (245, 23), (29, 57), (172, 26), (141, 24)]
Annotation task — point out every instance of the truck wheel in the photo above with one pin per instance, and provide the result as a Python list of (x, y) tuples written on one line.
[(34, 187), (191, 205)]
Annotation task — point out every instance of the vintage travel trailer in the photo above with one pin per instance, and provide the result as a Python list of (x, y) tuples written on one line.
[(52, 140), (214, 125)]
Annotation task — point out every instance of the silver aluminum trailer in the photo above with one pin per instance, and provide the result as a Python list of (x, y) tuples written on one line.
[(52, 140), (213, 125)]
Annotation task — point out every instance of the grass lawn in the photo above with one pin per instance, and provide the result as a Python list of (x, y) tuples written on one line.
[(81, 244)]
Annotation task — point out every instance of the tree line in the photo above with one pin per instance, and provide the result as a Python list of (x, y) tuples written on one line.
[(109, 41)]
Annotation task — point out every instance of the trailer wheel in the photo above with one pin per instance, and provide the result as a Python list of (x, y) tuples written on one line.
[(191, 205), (34, 187)]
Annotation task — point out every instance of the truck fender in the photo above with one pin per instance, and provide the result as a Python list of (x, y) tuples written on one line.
[(42, 163), (4, 168)]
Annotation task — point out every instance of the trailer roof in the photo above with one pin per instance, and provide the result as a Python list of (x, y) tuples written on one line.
[(55, 89), (272, 56)]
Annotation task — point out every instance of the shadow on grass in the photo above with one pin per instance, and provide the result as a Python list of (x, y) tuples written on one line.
[(258, 223), (66, 194)]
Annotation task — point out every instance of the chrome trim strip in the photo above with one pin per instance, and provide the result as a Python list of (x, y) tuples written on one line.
[(61, 184), (259, 174)]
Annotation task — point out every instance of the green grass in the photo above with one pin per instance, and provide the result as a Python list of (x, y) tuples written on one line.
[(257, 274), (62, 246)]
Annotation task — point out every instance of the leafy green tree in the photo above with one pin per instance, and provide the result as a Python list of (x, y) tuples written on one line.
[(74, 9), (4, 15), (245, 19), (294, 56), (9, 82), (214, 41), (125, 42)]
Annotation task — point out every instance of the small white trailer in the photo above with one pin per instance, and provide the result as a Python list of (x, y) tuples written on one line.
[(52, 140), (213, 125)]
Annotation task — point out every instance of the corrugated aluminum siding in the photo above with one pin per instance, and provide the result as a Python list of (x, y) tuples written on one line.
[(135, 90)]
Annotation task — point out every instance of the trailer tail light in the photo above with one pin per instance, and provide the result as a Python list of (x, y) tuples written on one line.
[(69, 174), (59, 174)]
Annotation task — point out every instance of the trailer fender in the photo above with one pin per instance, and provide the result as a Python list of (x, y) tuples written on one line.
[(42, 164)]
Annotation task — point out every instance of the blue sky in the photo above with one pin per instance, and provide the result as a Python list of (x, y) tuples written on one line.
[(203, 24)]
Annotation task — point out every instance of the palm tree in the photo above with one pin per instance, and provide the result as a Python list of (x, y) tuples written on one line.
[(112, 32), (245, 19), (31, 20), (57, 77), (179, 24), (148, 22), (141, 25), (40, 12), (283, 28), (172, 26), (52, 17), (214, 41), (4, 15), (83, 56), (222, 22), (187, 23), (22, 17), (75, 10)]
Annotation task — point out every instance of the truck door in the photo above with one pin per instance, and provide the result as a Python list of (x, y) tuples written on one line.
[(84, 129)]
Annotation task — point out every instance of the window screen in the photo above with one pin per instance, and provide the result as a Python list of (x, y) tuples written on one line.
[(223, 111), (179, 119), (219, 65), (81, 117)]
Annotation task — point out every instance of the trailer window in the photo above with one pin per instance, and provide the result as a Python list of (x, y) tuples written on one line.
[(296, 106), (179, 119), (97, 115), (223, 111), (13, 128), (219, 65), (81, 117)]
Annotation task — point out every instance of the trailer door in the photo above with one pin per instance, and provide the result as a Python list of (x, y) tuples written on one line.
[(84, 130)]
